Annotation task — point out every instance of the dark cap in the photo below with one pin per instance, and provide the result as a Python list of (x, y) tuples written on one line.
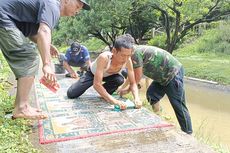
[(75, 47), (85, 6)]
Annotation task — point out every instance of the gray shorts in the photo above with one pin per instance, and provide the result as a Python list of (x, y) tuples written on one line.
[(19, 52)]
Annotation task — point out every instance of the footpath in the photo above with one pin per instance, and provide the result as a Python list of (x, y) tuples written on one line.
[(155, 140)]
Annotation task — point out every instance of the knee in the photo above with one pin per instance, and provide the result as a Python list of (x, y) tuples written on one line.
[(152, 99), (71, 93)]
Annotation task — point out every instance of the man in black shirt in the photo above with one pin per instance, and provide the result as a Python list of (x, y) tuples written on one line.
[(33, 19)]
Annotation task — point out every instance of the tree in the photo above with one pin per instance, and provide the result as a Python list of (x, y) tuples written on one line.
[(108, 19), (105, 21), (65, 32), (180, 16), (142, 19)]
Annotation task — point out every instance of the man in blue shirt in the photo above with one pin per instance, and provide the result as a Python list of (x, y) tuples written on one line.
[(78, 56)]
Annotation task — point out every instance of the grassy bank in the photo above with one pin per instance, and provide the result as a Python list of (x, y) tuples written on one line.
[(208, 56), (13, 133), (209, 66)]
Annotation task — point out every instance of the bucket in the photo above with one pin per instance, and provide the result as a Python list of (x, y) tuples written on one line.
[(59, 69)]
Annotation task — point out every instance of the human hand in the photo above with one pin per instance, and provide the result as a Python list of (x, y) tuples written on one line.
[(121, 104), (138, 104), (122, 92), (49, 74), (73, 75), (53, 51), (46, 83)]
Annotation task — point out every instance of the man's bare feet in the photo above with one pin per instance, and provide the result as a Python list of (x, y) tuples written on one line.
[(34, 109), (28, 112)]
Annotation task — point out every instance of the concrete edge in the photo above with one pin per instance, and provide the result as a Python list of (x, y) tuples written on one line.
[(201, 80)]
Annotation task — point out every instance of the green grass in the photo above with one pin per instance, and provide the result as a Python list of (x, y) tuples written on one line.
[(13, 133), (207, 57), (209, 139), (4, 68), (207, 66)]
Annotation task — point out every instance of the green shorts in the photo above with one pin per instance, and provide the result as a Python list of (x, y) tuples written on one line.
[(19, 52)]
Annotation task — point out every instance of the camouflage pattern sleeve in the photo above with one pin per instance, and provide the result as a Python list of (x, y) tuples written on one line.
[(137, 59)]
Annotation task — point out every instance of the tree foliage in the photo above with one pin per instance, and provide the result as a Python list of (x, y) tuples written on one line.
[(108, 19), (105, 21), (180, 16)]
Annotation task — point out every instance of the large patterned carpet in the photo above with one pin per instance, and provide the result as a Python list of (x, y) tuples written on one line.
[(87, 116)]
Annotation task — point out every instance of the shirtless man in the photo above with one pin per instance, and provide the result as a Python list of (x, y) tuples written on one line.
[(107, 68)]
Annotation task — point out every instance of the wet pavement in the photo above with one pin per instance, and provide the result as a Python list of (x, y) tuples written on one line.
[(149, 141)]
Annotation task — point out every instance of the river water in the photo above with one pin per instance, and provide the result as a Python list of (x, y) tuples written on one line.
[(209, 107)]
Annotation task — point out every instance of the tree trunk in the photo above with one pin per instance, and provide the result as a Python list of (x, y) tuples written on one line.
[(170, 48)]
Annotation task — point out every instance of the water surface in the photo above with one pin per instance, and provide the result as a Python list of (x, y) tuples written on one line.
[(209, 106)]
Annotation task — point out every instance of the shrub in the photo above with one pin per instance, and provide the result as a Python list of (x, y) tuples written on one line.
[(94, 44), (215, 40), (158, 41)]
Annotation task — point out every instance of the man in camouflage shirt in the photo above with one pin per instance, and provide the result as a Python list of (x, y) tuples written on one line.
[(167, 74)]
